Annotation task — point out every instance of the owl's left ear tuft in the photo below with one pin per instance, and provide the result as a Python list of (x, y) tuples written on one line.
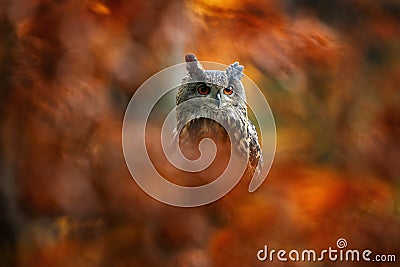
[(193, 66), (235, 71)]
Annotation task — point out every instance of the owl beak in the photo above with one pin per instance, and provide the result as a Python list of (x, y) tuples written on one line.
[(218, 96)]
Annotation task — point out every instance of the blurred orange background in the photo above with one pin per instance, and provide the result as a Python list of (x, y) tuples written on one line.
[(329, 69)]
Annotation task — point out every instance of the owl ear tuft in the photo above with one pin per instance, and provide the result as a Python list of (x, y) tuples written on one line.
[(235, 71), (190, 58), (193, 66)]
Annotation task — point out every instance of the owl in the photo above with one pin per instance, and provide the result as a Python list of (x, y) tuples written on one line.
[(224, 100)]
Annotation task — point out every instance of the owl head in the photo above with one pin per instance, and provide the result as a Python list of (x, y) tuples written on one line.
[(223, 88)]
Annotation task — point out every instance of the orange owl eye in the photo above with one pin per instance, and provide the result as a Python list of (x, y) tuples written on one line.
[(203, 90), (228, 90)]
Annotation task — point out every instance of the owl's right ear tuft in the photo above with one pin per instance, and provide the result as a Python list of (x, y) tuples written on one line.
[(190, 58), (193, 66)]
